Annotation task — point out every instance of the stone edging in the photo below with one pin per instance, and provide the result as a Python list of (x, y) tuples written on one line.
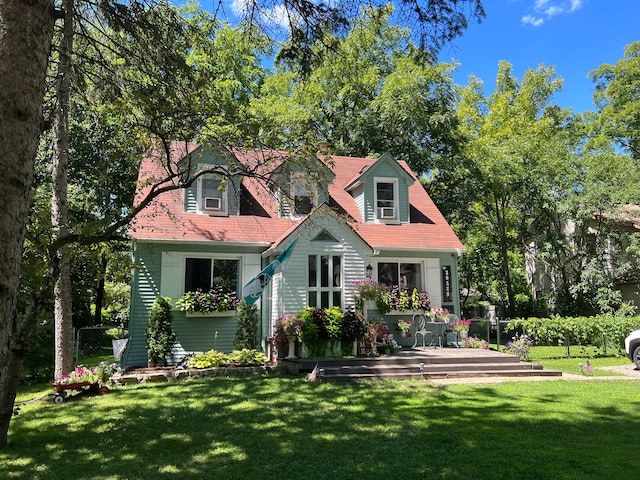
[(133, 377)]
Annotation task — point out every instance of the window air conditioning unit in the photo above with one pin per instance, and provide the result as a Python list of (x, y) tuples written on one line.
[(386, 212), (213, 204)]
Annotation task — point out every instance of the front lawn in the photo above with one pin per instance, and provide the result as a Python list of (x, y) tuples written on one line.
[(555, 358), (287, 428)]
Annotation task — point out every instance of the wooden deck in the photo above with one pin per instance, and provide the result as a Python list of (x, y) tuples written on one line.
[(422, 363)]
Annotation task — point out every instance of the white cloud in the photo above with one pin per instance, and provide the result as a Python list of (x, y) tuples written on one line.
[(276, 16), (547, 9), (531, 20)]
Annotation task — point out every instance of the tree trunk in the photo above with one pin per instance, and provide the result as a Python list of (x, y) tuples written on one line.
[(26, 30), (501, 207), (59, 211), (97, 317)]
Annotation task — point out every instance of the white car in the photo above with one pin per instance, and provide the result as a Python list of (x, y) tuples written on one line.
[(632, 346)]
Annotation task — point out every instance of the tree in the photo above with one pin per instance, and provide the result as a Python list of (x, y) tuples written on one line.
[(26, 30), (367, 93), (617, 97), (247, 333), (518, 146)]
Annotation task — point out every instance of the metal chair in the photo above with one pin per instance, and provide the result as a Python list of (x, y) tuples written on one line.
[(421, 329)]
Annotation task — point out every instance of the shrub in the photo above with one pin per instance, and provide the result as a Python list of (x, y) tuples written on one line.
[(246, 357), (247, 333), (520, 345), (210, 359), (160, 335)]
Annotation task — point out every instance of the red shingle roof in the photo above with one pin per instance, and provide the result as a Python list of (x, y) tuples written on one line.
[(165, 219)]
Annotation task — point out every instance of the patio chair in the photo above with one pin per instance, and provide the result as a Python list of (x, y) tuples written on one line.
[(421, 329)]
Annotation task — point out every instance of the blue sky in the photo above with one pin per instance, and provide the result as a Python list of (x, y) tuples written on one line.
[(574, 36)]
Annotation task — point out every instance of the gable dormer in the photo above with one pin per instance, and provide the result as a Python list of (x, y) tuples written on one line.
[(214, 193), (381, 191), (300, 186)]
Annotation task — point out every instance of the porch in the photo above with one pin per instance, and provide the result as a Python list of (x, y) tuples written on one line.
[(421, 363)]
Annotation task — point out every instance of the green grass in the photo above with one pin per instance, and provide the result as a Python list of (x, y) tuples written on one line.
[(554, 358), (287, 428)]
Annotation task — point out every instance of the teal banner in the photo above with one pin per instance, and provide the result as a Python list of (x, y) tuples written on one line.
[(252, 290)]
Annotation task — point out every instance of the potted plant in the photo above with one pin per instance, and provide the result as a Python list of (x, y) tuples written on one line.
[(353, 330), (287, 331), (367, 290), (461, 327), (439, 314), (403, 326)]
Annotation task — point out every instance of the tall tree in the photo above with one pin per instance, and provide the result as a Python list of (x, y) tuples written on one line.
[(26, 30), (617, 97), (371, 95), (516, 142), (59, 211)]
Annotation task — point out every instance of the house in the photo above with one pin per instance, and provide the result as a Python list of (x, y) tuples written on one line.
[(349, 217), (605, 236)]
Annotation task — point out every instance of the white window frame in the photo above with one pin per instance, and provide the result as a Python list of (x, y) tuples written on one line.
[(396, 203), (224, 209), (213, 258), (399, 261), (331, 289), (301, 180)]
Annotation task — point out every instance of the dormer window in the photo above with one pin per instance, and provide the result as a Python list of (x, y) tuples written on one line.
[(386, 200), (212, 195), (304, 194)]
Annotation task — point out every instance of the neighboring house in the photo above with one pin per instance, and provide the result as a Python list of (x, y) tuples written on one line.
[(348, 216), (606, 236)]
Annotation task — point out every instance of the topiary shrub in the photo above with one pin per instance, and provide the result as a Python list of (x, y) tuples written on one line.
[(247, 333), (160, 335)]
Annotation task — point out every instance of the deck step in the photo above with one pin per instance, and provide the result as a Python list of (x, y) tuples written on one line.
[(420, 363)]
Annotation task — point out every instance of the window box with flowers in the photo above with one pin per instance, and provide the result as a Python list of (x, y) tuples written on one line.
[(217, 301), (396, 301)]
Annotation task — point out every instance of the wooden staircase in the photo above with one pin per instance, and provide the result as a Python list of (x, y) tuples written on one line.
[(428, 363)]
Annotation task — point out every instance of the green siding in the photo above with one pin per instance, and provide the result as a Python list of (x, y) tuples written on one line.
[(194, 334)]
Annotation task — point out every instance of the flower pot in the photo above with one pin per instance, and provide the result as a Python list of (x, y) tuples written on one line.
[(403, 333)]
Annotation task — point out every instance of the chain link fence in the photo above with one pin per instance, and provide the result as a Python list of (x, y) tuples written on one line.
[(95, 341)]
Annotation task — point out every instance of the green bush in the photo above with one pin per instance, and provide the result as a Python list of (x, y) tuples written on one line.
[(247, 357), (210, 359), (605, 330), (160, 335), (247, 333)]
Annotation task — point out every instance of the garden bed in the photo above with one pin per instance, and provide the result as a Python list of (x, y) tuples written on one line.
[(165, 374)]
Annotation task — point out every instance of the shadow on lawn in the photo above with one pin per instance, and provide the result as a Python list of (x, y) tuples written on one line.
[(286, 428)]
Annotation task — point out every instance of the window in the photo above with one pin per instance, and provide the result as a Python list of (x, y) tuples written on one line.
[(212, 195), (386, 199), (203, 273), (406, 276), (304, 194), (325, 281)]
